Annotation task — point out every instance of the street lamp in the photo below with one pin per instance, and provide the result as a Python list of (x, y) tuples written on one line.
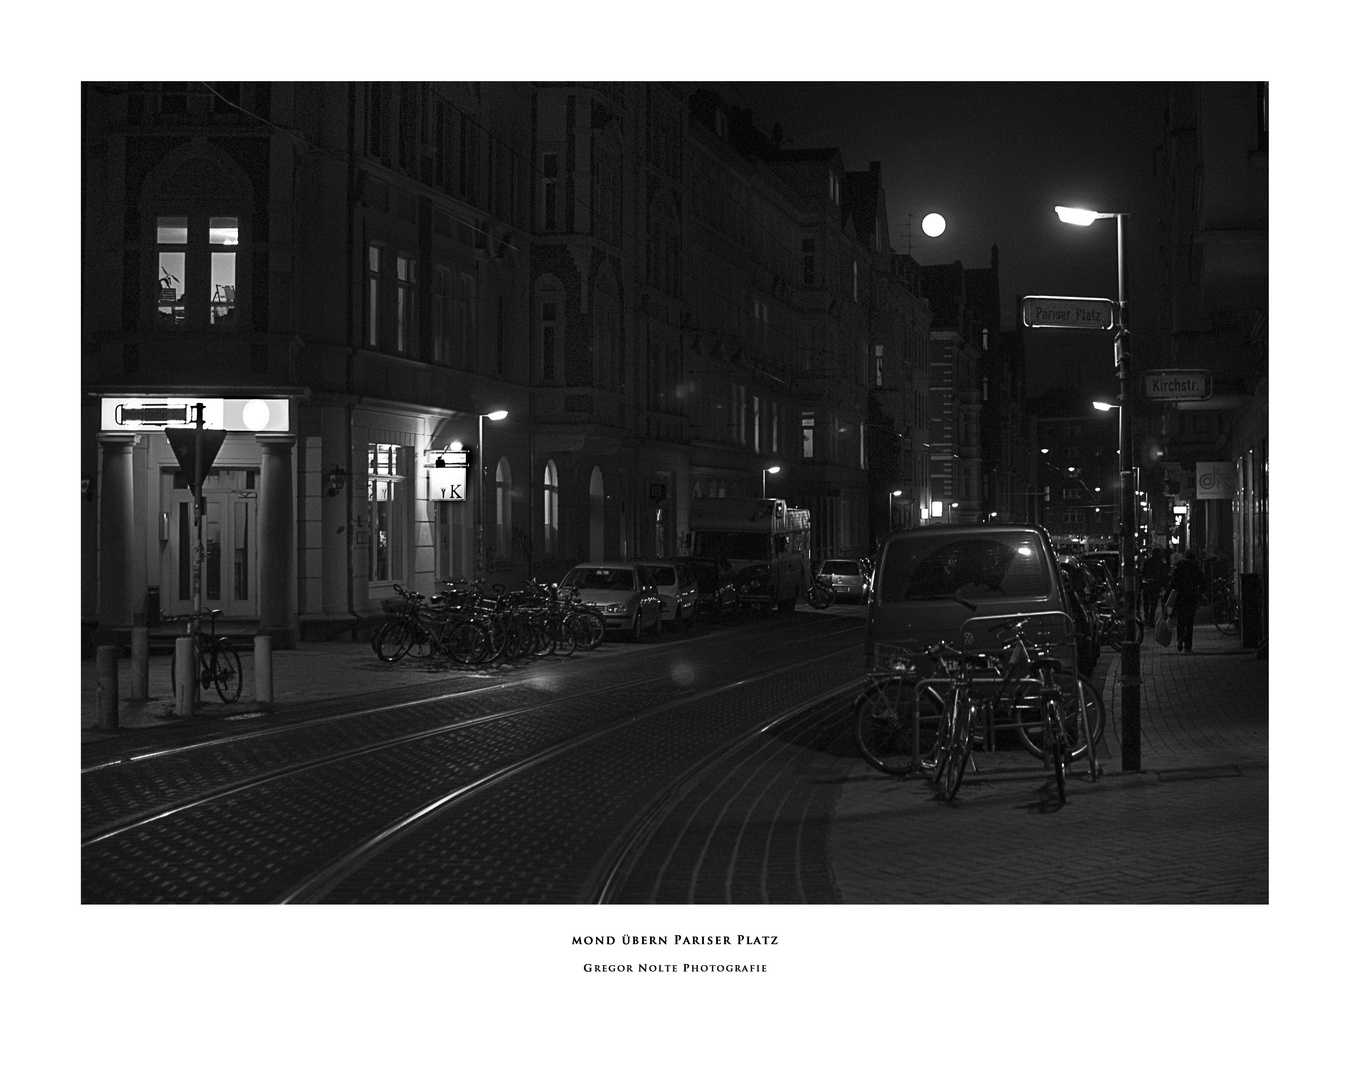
[(1103, 406), (496, 414), (1130, 726), (764, 479), (890, 507)]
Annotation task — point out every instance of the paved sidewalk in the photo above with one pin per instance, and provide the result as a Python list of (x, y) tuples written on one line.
[(1191, 826)]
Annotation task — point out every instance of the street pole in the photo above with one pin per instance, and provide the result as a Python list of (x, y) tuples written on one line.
[(194, 626), (482, 479), (1130, 679)]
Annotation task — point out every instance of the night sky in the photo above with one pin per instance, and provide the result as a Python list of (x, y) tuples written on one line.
[(995, 158)]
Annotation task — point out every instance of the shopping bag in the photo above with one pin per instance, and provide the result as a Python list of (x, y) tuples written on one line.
[(1163, 635)]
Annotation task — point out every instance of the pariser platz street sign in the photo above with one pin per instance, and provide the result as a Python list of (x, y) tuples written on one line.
[(1179, 385), (1068, 312)]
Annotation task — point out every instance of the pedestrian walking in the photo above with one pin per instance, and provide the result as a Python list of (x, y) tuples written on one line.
[(1184, 591), (1154, 574)]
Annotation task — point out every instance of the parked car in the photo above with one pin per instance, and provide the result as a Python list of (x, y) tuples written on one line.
[(679, 594), (850, 579), (930, 582), (713, 581), (623, 592)]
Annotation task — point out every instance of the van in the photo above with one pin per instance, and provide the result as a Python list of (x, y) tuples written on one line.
[(958, 583)]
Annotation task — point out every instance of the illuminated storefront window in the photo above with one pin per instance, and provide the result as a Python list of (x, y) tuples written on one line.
[(386, 496)]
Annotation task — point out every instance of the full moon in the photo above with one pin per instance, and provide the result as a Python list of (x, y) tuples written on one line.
[(934, 224)]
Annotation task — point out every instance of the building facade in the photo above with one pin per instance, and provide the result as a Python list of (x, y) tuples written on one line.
[(354, 281), (1215, 453)]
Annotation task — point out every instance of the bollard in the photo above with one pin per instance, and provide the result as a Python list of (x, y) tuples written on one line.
[(105, 664), (185, 677), (262, 669), (140, 664)]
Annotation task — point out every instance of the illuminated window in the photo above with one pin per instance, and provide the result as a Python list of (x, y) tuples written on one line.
[(171, 238), (550, 509), (387, 512), (224, 241), (808, 435), (195, 260)]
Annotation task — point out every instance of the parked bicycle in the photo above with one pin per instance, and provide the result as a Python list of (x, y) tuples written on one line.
[(216, 660), (1223, 607), (820, 595), (926, 709)]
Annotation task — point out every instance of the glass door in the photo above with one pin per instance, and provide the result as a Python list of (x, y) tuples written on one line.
[(229, 539)]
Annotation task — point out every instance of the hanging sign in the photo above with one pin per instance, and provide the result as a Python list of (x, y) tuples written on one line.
[(447, 474), (1215, 479)]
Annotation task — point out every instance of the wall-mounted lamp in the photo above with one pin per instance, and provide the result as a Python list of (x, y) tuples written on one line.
[(337, 479)]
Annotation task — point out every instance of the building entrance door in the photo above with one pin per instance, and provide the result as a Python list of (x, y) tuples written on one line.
[(230, 539)]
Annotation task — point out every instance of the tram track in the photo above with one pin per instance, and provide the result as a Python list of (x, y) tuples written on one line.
[(173, 779), (474, 768)]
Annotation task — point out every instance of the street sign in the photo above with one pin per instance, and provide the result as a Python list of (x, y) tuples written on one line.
[(184, 443), (1181, 385), (1068, 312)]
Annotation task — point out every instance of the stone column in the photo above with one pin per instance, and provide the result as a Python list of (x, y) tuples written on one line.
[(116, 539), (276, 541)]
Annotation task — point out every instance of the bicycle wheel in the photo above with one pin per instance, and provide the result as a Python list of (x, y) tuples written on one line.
[(958, 754), (820, 595), (1059, 746), (1027, 710), (466, 642), (883, 724), (563, 643), (588, 628), (1224, 612), (227, 673), (393, 639)]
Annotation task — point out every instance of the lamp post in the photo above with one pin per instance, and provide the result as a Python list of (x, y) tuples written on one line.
[(764, 479), (479, 560), (1130, 726), (890, 508)]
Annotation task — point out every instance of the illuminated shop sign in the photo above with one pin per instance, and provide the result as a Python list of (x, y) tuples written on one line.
[(226, 414), (447, 474)]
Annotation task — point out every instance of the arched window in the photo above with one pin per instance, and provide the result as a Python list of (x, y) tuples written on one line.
[(195, 244), (550, 508), (503, 509), (597, 514)]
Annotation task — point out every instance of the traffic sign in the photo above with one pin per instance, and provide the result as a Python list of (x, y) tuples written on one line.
[(1068, 312), (184, 443), (1179, 385)]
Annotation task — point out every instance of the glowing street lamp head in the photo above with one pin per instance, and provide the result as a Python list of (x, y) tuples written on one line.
[(1102, 406), (499, 414), (933, 224), (773, 470), (1073, 215)]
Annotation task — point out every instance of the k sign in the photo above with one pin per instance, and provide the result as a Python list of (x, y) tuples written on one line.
[(447, 474)]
